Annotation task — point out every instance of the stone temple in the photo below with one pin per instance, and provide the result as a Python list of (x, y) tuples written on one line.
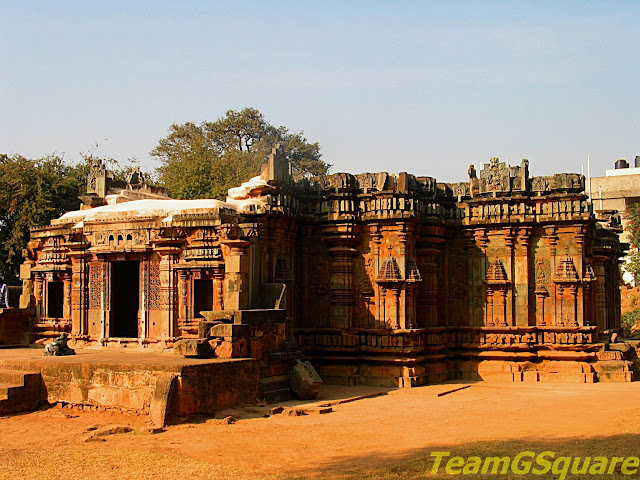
[(376, 278)]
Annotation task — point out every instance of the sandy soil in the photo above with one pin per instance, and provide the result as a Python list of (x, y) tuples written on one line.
[(356, 437), (629, 299)]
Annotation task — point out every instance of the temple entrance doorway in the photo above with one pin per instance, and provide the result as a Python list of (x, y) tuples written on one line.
[(202, 297), (125, 299), (54, 299)]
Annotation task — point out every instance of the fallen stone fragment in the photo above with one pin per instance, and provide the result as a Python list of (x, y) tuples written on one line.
[(305, 381), (276, 410), (299, 411), (223, 421), (152, 429), (231, 412), (111, 430)]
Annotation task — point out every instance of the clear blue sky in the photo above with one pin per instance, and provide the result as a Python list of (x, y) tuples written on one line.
[(423, 87)]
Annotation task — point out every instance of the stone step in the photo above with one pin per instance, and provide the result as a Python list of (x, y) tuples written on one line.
[(18, 377), (276, 382), (275, 389), (19, 391), (276, 396)]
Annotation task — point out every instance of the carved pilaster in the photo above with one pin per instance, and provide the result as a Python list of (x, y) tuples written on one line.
[(79, 293), (428, 250), (66, 306), (39, 287), (522, 277), (342, 237), (510, 234), (566, 280), (496, 296), (183, 278), (376, 240), (236, 271), (477, 242), (600, 293)]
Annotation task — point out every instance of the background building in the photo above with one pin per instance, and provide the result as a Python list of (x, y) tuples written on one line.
[(617, 190)]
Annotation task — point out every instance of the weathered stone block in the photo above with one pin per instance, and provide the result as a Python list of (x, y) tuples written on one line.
[(305, 381), (228, 349), (193, 347), (161, 398), (230, 330)]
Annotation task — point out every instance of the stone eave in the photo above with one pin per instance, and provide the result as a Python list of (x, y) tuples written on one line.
[(51, 231), (115, 249)]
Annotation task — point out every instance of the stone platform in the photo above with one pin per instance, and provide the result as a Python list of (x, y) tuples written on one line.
[(138, 380)]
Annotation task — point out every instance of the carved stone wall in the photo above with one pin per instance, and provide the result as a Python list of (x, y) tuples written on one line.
[(399, 269)]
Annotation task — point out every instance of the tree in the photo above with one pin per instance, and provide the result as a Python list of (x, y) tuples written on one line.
[(32, 193), (633, 227), (35, 191), (200, 161)]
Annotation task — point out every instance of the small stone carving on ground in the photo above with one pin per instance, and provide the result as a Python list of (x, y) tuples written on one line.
[(59, 347), (96, 435), (305, 381)]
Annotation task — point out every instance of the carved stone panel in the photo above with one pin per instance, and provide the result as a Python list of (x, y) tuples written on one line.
[(155, 293), (95, 286)]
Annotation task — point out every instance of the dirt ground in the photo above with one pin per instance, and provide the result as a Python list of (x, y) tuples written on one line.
[(369, 438), (629, 299)]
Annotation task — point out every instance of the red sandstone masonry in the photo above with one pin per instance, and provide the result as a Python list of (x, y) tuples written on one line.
[(202, 387)]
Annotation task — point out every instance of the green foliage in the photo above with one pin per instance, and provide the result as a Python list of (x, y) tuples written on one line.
[(35, 191), (204, 161), (629, 319), (32, 192), (633, 227)]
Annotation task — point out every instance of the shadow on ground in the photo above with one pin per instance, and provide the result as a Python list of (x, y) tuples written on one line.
[(418, 463)]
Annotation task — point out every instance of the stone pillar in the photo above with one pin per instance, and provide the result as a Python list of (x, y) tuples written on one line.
[(403, 315), (105, 298), (477, 243), (144, 274), (600, 293), (541, 294), (342, 289), (587, 297), (427, 291), (168, 288), (522, 277), (489, 322), (560, 305), (382, 319), (509, 266), (397, 321), (342, 299), (218, 281), (551, 239), (500, 307), (183, 278), (572, 314), (79, 295), (581, 297), (302, 276), (236, 269), (39, 287), (376, 238), (66, 306)]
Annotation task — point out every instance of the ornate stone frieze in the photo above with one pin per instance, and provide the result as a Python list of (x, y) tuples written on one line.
[(117, 238)]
